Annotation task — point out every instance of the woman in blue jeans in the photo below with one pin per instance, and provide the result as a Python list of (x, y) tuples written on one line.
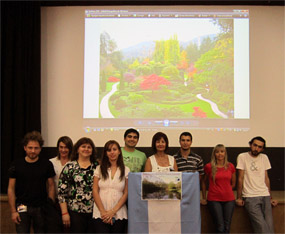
[(220, 198)]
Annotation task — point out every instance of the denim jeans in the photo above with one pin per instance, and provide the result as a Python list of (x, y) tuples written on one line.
[(260, 214), (222, 213), (33, 215)]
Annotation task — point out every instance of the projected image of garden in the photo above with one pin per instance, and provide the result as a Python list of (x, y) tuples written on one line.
[(161, 186), (175, 69)]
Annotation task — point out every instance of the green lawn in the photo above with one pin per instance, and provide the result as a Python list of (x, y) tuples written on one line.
[(186, 108)]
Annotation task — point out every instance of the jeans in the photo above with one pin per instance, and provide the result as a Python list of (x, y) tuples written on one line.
[(260, 214), (33, 215), (222, 213)]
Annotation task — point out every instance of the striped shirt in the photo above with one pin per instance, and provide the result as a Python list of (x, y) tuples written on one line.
[(193, 163)]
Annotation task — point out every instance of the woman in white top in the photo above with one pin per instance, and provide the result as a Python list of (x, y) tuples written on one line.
[(160, 161), (110, 191), (64, 149)]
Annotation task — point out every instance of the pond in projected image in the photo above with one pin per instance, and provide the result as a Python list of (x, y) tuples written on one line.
[(161, 186)]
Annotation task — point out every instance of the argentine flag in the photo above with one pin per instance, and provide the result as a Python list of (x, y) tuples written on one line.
[(164, 216)]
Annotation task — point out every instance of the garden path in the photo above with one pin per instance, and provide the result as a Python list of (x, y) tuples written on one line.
[(213, 106), (104, 105)]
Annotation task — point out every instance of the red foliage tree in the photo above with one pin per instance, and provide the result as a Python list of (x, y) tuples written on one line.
[(153, 82), (129, 77), (191, 70), (113, 79), (182, 65), (146, 61), (198, 112)]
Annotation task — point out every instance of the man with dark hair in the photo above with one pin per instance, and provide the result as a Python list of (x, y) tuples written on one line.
[(133, 158), (188, 161), (27, 189), (253, 189)]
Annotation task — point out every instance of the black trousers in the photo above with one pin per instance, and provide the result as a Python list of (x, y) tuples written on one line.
[(100, 227), (52, 216), (80, 222)]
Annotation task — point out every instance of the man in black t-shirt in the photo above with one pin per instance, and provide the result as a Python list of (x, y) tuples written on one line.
[(27, 189)]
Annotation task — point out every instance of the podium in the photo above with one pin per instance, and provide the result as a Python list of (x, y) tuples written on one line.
[(164, 216)]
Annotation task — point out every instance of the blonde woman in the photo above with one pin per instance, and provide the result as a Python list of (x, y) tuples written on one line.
[(220, 198)]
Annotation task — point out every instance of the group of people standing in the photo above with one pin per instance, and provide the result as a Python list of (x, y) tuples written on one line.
[(90, 192)]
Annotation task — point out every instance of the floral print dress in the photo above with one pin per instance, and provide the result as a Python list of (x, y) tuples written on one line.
[(75, 187)]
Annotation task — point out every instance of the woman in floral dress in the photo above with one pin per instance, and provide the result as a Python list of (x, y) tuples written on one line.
[(75, 187)]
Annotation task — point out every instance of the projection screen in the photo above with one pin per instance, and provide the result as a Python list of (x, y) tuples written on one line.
[(216, 71)]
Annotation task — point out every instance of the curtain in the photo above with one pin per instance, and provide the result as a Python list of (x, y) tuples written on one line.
[(20, 79)]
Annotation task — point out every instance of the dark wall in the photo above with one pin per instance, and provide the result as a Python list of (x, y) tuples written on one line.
[(20, 78), (275, 155)]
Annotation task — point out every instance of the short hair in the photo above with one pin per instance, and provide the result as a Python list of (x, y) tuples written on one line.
[(130, 130), (157, 136), (186, 134), (33, 136), (68, 142), (82, 141), (259, 138), (105, 163)]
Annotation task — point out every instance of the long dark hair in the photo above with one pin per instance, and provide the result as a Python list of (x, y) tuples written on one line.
[(105, 163), (82, 141), (68, 142)]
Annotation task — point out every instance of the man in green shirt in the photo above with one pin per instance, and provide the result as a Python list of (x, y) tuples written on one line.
[(133, 158)]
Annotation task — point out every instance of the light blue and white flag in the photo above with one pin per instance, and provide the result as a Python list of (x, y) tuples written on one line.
[(165, 216)]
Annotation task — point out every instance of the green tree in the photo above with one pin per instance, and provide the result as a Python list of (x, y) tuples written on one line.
[(215, 69), (117, 61), (107, 45), (103, 80), (170, 72), (226, 26), (193, 52), (174, 50), (104, 38), (122, 82), (112, 46), (134, 65), (166, 52), (158, 55), (206, 45)]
